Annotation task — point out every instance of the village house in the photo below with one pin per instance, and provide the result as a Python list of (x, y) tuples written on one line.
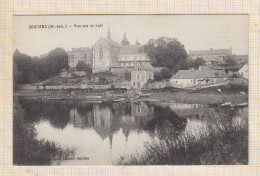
[(197, 78), (141, 74), (212, 57), (129, 54), (79, 54), (210, 67), (211, 53), (244, 71)]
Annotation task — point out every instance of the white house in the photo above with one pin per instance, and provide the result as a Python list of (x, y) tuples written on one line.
[(141, 74), (196, 78), (244, 71)]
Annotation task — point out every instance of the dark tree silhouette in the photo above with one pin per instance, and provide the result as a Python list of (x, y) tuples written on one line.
[(166, 52)]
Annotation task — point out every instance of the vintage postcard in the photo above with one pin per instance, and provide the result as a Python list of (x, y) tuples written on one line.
[(130, 90)]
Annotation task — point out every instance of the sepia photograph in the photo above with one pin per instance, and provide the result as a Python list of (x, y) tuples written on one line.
[(130, 90)]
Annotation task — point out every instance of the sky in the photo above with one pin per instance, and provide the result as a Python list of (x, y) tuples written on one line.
[(195, 32)]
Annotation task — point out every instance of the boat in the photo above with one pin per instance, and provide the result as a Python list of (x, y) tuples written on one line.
[(241, 105), (173, 90), (55, 98), (213, 105), (93, 101), (121, 99), (144, 95), (227, 104), (93, 97), (195, 90)]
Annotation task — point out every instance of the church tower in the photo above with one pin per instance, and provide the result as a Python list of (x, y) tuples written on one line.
[(124, 40), (108, 33)]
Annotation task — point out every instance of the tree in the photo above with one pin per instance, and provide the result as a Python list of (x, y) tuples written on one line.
[(124, 40), (31, 70), (165, 52), (196, 63), (230, 61), (56, 60), (82, 66), (127, 76), (165, 73)]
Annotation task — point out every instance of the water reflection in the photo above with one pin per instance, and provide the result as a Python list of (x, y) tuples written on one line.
[(103, 132)]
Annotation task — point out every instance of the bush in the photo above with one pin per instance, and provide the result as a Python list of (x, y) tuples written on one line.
[(127, 76), (222, 138), (82, 66), (27, 150), (165, 73)]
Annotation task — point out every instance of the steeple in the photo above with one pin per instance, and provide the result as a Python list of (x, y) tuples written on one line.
[(108, 33), (124, 40)]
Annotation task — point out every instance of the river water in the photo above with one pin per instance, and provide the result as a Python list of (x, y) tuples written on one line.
[(101, 133)]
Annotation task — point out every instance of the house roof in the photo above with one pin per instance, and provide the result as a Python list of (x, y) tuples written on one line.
[(109, 42), (131, 49), (245, 67), (210, 52), (195, 74), (144, 66), (81, 49)]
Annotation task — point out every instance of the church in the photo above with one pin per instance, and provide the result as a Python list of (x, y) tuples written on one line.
[(109, 55)]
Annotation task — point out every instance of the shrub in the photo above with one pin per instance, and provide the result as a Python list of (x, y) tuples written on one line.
[(127, 76), (221, 138), (165, 73), (27, 150)]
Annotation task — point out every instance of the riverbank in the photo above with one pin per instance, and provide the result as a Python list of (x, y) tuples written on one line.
[(27, 149), (205, 96), (222, 139), (199, 97)]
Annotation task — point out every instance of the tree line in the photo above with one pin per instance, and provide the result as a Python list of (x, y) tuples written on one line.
[(29, 69)]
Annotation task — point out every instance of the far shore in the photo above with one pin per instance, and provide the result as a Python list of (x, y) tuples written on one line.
[(205, 96)]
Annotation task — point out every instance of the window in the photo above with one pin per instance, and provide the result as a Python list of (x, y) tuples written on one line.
[(139, 109), (100, 53)]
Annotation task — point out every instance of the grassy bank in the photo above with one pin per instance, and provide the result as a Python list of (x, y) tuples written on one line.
[(27, 150), (205, 96), (220, 139)]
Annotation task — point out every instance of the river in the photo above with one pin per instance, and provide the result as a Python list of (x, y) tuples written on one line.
[(101, 133)]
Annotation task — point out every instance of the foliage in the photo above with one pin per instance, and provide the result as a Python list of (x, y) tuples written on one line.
[(82, 66), (229, 61), (223, 140), (102, 79), (196, 63), (127, 76), (165, 73), (27, 150), (166, 52), (31, 70)]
